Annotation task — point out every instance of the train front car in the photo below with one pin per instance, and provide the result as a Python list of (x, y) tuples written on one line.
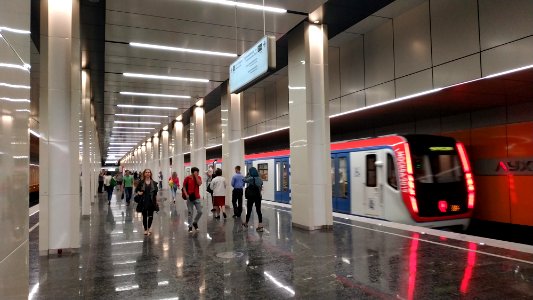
[(436, 182)]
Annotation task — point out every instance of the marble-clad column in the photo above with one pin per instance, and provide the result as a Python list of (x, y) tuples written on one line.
[(198, 144), (165, 159), (14, 147), (155, 157), (148, 163), (178, 158), (232, 118), (309, 123), (86, 158), (59, 119)]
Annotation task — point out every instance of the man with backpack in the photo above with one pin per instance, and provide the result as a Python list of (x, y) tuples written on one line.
[(253, 196), (191, 194)]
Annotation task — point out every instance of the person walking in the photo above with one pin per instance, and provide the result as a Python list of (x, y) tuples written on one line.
[(147, 189), (210, 174), (128, 186), (237, 182), (118, 178), (191, 191), (218, 186), (109, 187), (253, 196), (101, 181), (174, 184)]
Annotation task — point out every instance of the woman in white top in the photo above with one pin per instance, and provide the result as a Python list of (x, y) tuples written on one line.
[(108, 187), (218, 185)]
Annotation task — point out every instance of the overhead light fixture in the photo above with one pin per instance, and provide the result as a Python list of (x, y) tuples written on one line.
[(147, 106), (178, 49), (165, 128), (134, 122), (144, 116), (14, 100), (179, 118), (15, 86), (35, 133), (154, 95), (162, 77), (134, 128), (200, 102), (248, 5)]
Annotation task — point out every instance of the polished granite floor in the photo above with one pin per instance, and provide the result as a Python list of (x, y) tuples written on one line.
[(353, 261)]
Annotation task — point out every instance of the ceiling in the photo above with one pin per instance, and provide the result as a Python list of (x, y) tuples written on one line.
[(192, 24)]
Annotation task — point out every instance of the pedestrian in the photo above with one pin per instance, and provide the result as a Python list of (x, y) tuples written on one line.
[(253, 196), (174, 185), (209, 176), (160, 176), (118, 178), (101, 181), (218, 186), (147, 189), (128, 186), (109, 187), (191, 191), (237, 182)]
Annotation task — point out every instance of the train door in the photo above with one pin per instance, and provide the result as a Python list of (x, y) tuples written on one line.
[(247, 166), (373, 183), (281, 186), (340, 183)]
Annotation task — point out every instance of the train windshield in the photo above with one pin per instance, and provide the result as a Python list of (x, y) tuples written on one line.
[(437, 167)]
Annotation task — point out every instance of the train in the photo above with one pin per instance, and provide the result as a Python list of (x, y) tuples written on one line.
[(423, 180)]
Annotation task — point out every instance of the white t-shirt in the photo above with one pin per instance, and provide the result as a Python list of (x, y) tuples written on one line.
[(107, 180), (218, 185)]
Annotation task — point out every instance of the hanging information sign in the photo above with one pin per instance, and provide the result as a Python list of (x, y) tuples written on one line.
[(253, 65)]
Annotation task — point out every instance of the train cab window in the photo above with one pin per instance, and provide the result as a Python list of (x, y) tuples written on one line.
[(442, 168), (371, 174), (343, 178), (391, 172), (278, 176)]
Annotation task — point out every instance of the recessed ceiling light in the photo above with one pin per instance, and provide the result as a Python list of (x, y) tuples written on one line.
[(175, 78), (147, 116), (200, 102), (154, 95), (248, 5), (134, 122), (2, 28), (24, 67), (178, 49), (147, 106)]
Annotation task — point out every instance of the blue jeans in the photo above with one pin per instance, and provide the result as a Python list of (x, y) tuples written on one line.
[(128, 191), (109, 192), (174, 190), (190, 205)]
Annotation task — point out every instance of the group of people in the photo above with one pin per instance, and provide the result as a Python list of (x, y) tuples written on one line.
[(146, 190)]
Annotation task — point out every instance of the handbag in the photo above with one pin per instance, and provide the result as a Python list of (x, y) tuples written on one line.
[(139, 207), (137, 198)]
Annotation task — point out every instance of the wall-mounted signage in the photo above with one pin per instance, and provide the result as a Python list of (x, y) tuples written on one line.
[(518, 166), (253, 65)]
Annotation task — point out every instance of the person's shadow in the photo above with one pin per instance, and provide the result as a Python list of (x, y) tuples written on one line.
[(146, 268), (109, 225)]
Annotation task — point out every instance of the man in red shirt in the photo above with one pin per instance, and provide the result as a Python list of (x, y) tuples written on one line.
[(191, 189)]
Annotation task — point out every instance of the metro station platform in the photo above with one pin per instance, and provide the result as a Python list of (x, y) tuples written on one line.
[(356, 260)]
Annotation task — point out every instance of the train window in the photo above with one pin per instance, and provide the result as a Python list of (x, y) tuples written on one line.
[(343, 178), (391, 172), (278, 177), (333, 192), (285, 178), (371, 174), (262, 169)]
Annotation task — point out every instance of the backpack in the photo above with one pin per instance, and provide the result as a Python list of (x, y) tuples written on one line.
[(252, 191)]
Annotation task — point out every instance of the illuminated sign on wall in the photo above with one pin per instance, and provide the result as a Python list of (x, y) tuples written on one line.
[(519, 166), (441, 148), (253, 65)]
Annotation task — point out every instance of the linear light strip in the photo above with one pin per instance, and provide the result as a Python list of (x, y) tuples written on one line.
[(147, 106), (147, 116), (178, 49), (134, 128), (134, 122), (154, 95), (3, 28), (24, 67), (14, 100), (248, 5), (175, 78), (15, 86)]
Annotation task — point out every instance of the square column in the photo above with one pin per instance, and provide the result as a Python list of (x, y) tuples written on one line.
[(232, 118), (178, 157), (165, 159), (198, 144), (86, 163), (310, 159), (59, 109)]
